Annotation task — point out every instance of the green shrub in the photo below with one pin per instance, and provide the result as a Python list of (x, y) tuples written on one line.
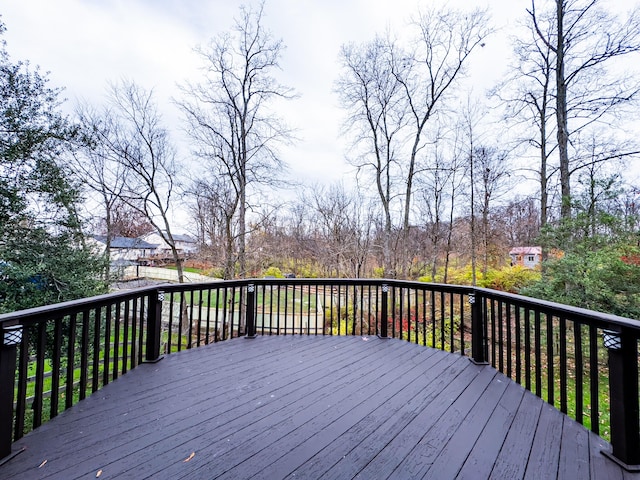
[(606, 280), (507, 279), (378, 272), (511, 279), (273, 272), (215, 272)]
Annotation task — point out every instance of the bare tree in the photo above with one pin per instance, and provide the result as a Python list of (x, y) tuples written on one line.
[(228, 114), (486, 170), (456, 183), (598, 188), (214, 213), (128, 222), (528, 99), (587, 41), (492, 172), (131, 132), (433, 198), (446, 38), (438, 187), (344, 227), (370, 92), (98, 168), (392, 95), (520, 221)]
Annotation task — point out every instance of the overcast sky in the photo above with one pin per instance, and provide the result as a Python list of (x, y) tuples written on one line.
[(87, 43)]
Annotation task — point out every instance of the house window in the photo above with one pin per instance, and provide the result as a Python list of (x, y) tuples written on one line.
[(531, 258)]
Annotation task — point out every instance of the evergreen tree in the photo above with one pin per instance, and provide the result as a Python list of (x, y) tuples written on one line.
[(43, 258), (596, 264)]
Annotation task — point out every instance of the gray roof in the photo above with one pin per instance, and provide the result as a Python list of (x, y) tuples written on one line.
[(176, 237), (125, 242), (184, 238)]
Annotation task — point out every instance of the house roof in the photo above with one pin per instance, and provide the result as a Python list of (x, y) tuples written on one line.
[(184, 238), (526, 251), (176, 237), (125, 242)]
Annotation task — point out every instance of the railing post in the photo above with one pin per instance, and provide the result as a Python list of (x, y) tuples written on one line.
[(10, 338), (251, 311), (479, 352), (383, 314), (154, 326), (623, 388)]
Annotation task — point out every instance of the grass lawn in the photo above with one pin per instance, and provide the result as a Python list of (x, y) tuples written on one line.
[(188, 269), (290, 298)]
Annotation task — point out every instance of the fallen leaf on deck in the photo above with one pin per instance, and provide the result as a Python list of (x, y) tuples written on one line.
[(193, 454), (98, 473), (42, 464)]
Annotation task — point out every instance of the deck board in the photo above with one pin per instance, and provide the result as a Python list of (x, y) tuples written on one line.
[(312, 407), (391, 453), (353, 450), (545, 451), (450, 460), (484, 453), (419, 460), (574, 451), (516, 447)]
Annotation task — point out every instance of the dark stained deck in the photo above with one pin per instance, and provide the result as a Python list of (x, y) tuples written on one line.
[(312, 407)]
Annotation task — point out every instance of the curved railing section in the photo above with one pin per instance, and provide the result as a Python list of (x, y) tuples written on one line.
[(583, 362)]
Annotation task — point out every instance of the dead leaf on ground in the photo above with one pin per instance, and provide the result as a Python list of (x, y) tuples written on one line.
[(42, 464), (98, 473), (193, 454)]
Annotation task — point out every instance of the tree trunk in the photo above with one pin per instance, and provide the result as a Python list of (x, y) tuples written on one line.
[(445, 278), (408, 194), (485, 232), (384, 192), (544, 194), (435, 243), (561, 115), (229, 260), (473, 217), (242, 233), (107, 250), (544, 188)]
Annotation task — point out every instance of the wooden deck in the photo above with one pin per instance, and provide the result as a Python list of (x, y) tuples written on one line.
[(312, 407)]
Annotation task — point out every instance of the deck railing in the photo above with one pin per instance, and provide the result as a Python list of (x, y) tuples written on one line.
[(583, 362)]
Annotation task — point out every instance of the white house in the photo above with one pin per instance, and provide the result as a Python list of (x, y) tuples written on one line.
[(529, 257), (124, 249), (184, 244)]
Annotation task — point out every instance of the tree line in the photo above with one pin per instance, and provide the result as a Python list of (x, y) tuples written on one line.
[(443, 178)]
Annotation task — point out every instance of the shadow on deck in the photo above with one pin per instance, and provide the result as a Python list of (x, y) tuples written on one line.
[(312, 407)]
